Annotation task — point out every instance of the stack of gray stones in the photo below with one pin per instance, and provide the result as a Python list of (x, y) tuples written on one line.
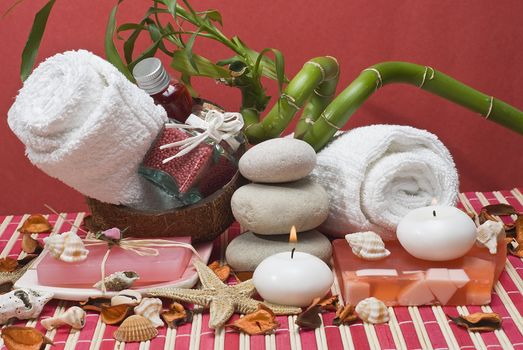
[(281, 196)]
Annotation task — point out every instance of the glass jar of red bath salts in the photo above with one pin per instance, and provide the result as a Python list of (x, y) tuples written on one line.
[(172, 95)]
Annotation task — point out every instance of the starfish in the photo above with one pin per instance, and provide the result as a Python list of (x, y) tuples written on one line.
[(221, 299)]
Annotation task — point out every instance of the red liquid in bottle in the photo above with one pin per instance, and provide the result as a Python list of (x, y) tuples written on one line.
[(176, 100)]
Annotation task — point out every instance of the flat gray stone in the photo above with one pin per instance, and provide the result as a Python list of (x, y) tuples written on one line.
[(278, 160), (274, 209), (247, 251)]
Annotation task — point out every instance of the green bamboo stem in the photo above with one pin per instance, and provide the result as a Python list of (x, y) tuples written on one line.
[(337, 113)]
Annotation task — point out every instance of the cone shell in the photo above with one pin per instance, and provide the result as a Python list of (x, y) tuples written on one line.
[(372, 310), (128, 297), (150, 308), (67, 247), (367, 245), (135, 329), (118, 281), (74, 317)]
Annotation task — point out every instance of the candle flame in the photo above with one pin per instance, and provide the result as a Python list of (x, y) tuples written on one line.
[(293, 237), (434, 201)]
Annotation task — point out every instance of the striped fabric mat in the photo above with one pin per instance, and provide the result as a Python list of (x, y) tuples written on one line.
[(409, 327)]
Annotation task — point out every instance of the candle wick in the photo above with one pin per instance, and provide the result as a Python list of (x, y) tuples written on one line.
[(434, 213), (292, 253)]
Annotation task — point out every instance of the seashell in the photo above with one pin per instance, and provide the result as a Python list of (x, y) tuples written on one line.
[(127, 297), (118, 281), (487, 235), (95, 304), (367, 245), (150, 308), (372, 310), (74, 317), (135, 329), (115, 314), (22, 304), (67, 247)]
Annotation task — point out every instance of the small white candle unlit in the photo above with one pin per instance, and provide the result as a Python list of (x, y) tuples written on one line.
[(296, 280)]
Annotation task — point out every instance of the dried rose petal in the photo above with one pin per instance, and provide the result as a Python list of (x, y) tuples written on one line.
[(36, 223), (479, 321), (329, 303), (222, 271), (8, 264), (310, 318), (345, 315), (23, 338), (30, 245), (115, 314), (518, 224), (500, 209), (95, 304), (177, 315), (261, 321)]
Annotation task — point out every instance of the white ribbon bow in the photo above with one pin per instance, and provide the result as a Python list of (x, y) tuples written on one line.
[(217, 126)]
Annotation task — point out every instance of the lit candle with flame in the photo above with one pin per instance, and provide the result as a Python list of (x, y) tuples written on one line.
[(292, 278)]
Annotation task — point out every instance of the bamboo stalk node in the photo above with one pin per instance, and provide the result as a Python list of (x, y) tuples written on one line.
[(490, 107), (329, 122), (323, 95), (290, 100), (427, 68), (319, 66), (379, 82)]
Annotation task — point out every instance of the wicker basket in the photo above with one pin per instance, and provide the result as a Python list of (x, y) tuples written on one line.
[(202, 221)]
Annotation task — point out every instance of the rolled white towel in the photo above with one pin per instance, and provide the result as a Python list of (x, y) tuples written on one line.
[(375, 175), (84, 123)]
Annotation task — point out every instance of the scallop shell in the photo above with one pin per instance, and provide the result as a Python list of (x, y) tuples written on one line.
[(150, 308), (127, 297), (67, 247), (372, 310), (118, 281), (367, 245), (136, 328), (74, 317), (22, 304), (487, 235)]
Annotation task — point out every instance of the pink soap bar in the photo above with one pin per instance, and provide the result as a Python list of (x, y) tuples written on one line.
[(168, 265), (401, 279)]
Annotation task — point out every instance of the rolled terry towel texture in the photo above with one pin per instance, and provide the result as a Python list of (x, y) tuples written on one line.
[(375, 175), (84, 123)]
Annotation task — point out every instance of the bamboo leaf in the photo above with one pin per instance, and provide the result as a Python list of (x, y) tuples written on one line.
[(206, 68), (171, 6), (149, 52), (188, 50), (212, 15), (186, 79), (279, 65), (33, 42), (111, 52)]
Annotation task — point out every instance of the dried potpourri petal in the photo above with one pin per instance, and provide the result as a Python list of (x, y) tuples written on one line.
[(261, 321), (31, 245), (36, 223), (329, 303), (310, 318), (95, 304), (514, 248), (6, 287), (26, 260), (177, 315), (500, 209), (222, 271), (8, 264), (518, 224), (479, 321), (23, 338), (345, 315), (115, 314)]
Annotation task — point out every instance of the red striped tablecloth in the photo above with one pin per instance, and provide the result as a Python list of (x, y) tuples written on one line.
[(409, 327)]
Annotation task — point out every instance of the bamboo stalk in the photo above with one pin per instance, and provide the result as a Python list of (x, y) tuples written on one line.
[(335, 115)]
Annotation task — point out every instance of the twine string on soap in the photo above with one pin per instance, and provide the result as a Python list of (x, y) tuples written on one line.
[(216, 126)]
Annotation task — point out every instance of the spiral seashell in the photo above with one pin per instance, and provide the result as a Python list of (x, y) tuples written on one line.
[(127, 297), (367, 245), (55, 245), (135, 328), (74, 317), (150, 308), (22, 304), (372, 310), (118, 281), (487, 235), (67, 247)]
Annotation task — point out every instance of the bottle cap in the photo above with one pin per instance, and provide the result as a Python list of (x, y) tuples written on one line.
[(151, 76)]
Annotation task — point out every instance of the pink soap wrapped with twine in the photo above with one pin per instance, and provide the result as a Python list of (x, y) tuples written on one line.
[(192, 161)]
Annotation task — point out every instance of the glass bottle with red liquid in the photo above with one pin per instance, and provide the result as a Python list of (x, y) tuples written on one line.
[(172, 95)]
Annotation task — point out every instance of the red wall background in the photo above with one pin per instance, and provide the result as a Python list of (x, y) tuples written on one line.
[(477, 42)]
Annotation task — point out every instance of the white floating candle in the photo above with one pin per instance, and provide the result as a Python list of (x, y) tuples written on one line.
[(292, 278), (437, 233)]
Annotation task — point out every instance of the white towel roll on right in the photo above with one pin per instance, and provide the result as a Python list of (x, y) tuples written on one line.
[(376, 174)]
